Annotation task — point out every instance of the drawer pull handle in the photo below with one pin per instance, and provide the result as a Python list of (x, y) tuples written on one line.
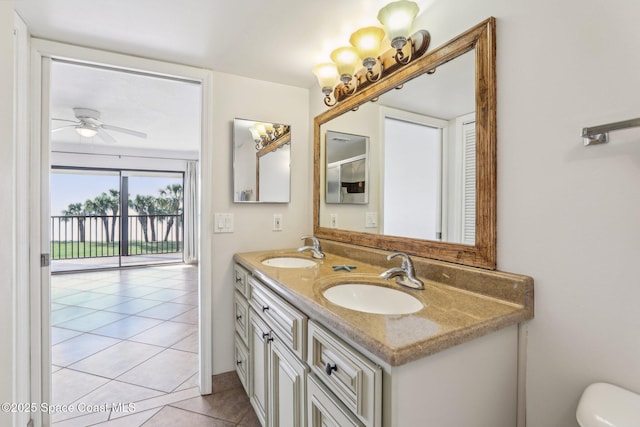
[(267, 336), (239, 362), (265, 308), (238, 279), (239, 316), (328, 368)]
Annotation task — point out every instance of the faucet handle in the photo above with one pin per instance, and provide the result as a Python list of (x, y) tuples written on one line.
[(406, 261), (314, 240)]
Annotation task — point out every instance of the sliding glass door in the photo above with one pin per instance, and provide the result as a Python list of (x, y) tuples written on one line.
[(112, 218)]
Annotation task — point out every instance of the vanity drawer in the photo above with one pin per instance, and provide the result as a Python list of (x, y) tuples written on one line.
[(242, 362), (241, 314), (354, 379), (240, 280), (289, 324)]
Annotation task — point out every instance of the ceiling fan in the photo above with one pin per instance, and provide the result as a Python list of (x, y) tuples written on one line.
[(89, 125)]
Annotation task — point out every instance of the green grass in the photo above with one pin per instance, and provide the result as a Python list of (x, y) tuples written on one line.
[(75, 249)]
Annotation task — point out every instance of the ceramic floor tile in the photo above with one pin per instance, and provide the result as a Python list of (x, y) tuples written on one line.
[(115, 396), (250, 420), (126, 290), (160, 401), (154, 373), (166, 310), (134, 420), (191, 298), (57, 292), (127, 327), (55, 306), (77, 348), (170, 417), (78, 298), (190, 343), (231, 405), (165, 294), (105, 301), (117, 359), (165, 334), (134, 306), (92, 321), (59, 334), (69, 386), (190, 316), (69, 313), (193, 381)]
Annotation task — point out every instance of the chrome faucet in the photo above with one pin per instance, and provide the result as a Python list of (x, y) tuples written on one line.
[(405, 275), (315, 249)]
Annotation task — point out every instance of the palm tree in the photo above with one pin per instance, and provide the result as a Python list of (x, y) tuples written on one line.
[(99, 207), (170, 203), (145, 206), (76, 210), (114, 205)]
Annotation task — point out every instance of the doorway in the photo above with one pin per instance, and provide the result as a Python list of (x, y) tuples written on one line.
[(50, 151)]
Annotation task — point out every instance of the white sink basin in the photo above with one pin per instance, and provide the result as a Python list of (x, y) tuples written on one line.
[(289, 262), (372, 299)]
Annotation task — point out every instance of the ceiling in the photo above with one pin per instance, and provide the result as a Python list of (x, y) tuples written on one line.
[(275, 40)]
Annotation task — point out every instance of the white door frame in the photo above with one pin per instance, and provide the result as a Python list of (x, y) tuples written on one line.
[(41, 53)]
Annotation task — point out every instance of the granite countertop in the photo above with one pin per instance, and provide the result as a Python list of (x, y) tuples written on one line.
[(475, 302)]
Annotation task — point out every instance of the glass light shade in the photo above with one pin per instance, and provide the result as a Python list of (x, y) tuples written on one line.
[(254, 134), (86, 132), (367, 41), (269, 127), (327, 74), (261, 129), (397, 18), (346, 59)]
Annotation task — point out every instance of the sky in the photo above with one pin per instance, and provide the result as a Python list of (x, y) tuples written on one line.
[(68, 187)]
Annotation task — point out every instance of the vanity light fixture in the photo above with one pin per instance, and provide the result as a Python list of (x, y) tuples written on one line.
[(353, 67), (266, 134)]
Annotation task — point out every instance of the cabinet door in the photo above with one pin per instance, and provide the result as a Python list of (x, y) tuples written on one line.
[(259, 336), (288, 385), (324, 409)]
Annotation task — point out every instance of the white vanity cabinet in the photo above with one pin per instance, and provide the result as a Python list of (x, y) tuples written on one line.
[(241, 315), (277, 373)]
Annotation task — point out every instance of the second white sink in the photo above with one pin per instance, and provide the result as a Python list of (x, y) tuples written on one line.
[(372, 299), (289, 262)]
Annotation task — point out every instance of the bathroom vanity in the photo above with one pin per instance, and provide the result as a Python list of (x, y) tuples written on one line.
[(304, 360)]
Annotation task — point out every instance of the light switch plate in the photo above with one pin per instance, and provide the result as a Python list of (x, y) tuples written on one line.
[(371, 220), (334, 220), (277, 222), (223, 223)]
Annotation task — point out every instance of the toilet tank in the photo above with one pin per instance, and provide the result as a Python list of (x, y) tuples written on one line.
[(607, 405)]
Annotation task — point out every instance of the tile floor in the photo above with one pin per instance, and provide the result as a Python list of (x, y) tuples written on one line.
[(125, 352)]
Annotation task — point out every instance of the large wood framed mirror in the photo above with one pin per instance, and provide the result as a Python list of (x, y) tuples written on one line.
[(432, 156)]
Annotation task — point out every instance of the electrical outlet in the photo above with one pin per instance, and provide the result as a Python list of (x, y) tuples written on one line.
[(334, 220), (277, 222)]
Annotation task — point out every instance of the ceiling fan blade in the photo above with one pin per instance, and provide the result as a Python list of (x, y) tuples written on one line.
[(106, 137), (63, 127), (66, 120), (123, 130)]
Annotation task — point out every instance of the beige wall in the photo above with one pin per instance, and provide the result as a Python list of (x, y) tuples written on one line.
[(235, 96)]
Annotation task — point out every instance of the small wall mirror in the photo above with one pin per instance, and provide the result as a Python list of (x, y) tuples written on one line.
[(431, 148), (347, 168), (261, 162)]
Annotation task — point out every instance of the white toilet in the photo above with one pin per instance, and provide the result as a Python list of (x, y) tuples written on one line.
[(606, 405)]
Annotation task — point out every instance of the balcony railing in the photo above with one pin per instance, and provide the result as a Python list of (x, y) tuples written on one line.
[(94, 236)]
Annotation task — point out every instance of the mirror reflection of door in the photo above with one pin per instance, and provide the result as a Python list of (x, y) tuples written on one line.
[(347, 168), (412, 183)]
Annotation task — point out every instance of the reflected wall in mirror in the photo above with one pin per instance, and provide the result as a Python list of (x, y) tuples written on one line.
[(347, 168), (261, 162), (431, 152)]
